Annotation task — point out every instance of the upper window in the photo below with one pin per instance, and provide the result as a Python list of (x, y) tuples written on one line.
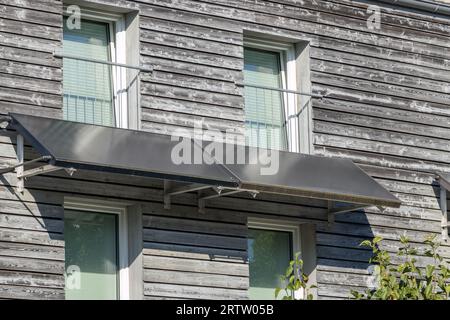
[(95, 88), (276, 81), (88, 92), (264, 111)]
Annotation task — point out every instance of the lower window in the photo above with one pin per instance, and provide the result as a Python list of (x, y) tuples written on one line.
[(91, 246), (271, 246), (96, 249)]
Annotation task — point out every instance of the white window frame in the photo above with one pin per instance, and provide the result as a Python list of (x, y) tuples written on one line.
[(285, 226), (119, 209), (117, 45), (289, 82)]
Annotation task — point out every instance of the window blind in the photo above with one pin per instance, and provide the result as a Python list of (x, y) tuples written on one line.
[(87, 85), (264, 111)]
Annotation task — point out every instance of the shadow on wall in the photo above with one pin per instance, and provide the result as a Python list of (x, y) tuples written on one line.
[(192, 255), (33, 241), (33, 216), (342, 264), (33, 210), (438, 191)]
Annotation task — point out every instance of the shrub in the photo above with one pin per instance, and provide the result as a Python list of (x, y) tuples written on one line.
[(407, 281), (295, 281)]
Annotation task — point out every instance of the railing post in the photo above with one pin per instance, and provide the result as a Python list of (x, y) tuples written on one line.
[(296, 121)]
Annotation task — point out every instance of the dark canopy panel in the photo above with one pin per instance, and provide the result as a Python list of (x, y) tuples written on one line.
[(315, 177), (92, 147)]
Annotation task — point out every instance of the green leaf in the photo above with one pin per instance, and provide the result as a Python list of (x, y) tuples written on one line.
[(404, 239), (289, 271), (277, 292), (429, 271), (356, 295), (377, 239), (447, 289), (366, 243)]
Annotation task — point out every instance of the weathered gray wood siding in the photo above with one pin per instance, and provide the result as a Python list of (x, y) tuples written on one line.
[(31, 226), (385, 107)]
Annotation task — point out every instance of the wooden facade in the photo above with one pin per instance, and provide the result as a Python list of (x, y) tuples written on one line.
[(385, 106)]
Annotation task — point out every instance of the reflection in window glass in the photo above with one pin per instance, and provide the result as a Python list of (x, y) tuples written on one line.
[(269, 255), (91, 255)]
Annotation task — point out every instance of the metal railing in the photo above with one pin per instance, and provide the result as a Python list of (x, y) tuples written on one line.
[(273, 115), (101, 92)]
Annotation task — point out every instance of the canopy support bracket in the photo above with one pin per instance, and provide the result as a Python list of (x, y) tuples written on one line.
[(170, 190), (166, 194), (23, 174), (336, 210), (443, 205), (221, 192), (202, 199), (330, 214), (201, 202), (333, 210), (39, 170)]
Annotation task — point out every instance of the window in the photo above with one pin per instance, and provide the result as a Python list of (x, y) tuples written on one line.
[(96, 252), (277, 113), (264, 111), (271, 246), (91, 246), (94, 85)]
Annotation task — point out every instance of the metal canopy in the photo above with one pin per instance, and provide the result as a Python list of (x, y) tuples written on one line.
[(92, 147), (314, 177), (71, 146)]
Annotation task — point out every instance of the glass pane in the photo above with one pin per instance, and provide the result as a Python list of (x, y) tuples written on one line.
[(269, 255), (264, 111), (87, 85), (91, 255)]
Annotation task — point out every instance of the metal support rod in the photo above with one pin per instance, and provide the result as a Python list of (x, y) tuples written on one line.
[(222, 194), (187, 188), (170, 191), (283, 90), (444, 221), (68, 56), (202, 199), (39, 170), (70, 171), (19, 169), (336, 210), (12, 168)]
